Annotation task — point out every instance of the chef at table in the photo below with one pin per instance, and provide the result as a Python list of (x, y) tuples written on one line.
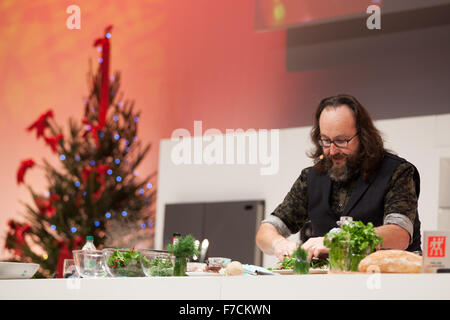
[(353, 175)]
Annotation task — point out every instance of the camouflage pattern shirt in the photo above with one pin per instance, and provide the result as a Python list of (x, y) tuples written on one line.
[(400, 202)]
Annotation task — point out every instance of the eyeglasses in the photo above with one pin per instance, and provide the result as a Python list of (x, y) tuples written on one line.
[(340, 143)]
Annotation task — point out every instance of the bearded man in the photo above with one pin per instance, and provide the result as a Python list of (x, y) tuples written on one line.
[(353, 175)]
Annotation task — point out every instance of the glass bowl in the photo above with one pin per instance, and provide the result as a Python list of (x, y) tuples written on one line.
[(217, 263), (123, 262), (156, 263), (89, 264)]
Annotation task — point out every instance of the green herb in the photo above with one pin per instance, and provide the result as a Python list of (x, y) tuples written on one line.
[(301, 263), (184, 248), (125, 264), (160, 267), (352, 243), (288, 262), (319, 263)]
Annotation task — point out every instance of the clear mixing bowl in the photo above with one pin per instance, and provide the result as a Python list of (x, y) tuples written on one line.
[(89, 264)]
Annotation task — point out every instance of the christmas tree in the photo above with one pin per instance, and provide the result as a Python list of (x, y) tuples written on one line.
[(96, 191)]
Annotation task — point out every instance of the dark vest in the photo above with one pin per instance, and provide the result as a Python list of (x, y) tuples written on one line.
[(366, 202)]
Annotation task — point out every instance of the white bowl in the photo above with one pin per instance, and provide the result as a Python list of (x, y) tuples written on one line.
[(17, 270)]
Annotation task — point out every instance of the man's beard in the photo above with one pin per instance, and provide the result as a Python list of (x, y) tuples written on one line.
[(346, 172)]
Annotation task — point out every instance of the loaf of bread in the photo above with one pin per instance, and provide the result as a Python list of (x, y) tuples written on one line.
[(391, 261)]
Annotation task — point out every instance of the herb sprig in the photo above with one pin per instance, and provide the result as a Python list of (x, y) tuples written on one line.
[(184, 247), (357, 235)]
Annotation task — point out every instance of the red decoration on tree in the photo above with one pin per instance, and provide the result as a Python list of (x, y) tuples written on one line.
[(53, 141), (104, 71), (17, 231), (64, 253), (100, 172), (94, 130), (41, 123), (24, 166), (77, 242), (46, 206)]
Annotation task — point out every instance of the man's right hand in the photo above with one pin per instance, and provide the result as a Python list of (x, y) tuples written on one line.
[(283, 247)]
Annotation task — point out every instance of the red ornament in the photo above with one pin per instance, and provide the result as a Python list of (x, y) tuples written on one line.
[(46, 206), (41, 123), (53, 141), (24, 166), (104, 70), (94, 130), (77, 242), (104, 88), (17, 232), (100, 172), (63, 254)]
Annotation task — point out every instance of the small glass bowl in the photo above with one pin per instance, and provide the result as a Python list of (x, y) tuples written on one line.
[(123, 262), (215, 264), (89, 264), (156, 263)]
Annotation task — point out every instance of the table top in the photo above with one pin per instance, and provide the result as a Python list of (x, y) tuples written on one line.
[(279, 287)]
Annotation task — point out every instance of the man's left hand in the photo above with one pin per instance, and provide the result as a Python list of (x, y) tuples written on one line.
[(314, 247)]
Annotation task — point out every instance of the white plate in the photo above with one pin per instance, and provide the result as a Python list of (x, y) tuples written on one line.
[(203, 274), (17, 270)]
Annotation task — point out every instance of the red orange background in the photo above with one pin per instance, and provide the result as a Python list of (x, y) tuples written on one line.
[(180, 61)]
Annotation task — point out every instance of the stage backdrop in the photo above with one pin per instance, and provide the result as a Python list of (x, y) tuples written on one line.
[(200, 60)]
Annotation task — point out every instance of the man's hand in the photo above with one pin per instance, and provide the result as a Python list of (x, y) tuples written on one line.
[(314, 247), (283, 247)]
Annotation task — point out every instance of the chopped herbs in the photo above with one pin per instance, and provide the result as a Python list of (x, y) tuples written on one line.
[(288, 262), (159, 267), (319, 263)]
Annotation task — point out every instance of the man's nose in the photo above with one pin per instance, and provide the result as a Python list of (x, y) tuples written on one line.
[(333, 149)]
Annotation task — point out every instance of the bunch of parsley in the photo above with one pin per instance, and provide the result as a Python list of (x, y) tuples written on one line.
[(357, 239)]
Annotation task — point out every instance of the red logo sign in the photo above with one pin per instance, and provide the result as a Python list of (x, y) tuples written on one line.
[(436, 246)]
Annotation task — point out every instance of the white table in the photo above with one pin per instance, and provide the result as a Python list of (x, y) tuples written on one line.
[(280, 287)]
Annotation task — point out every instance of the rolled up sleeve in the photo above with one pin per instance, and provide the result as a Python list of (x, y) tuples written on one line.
[(290, 215), (278, 224), (400, 206)]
